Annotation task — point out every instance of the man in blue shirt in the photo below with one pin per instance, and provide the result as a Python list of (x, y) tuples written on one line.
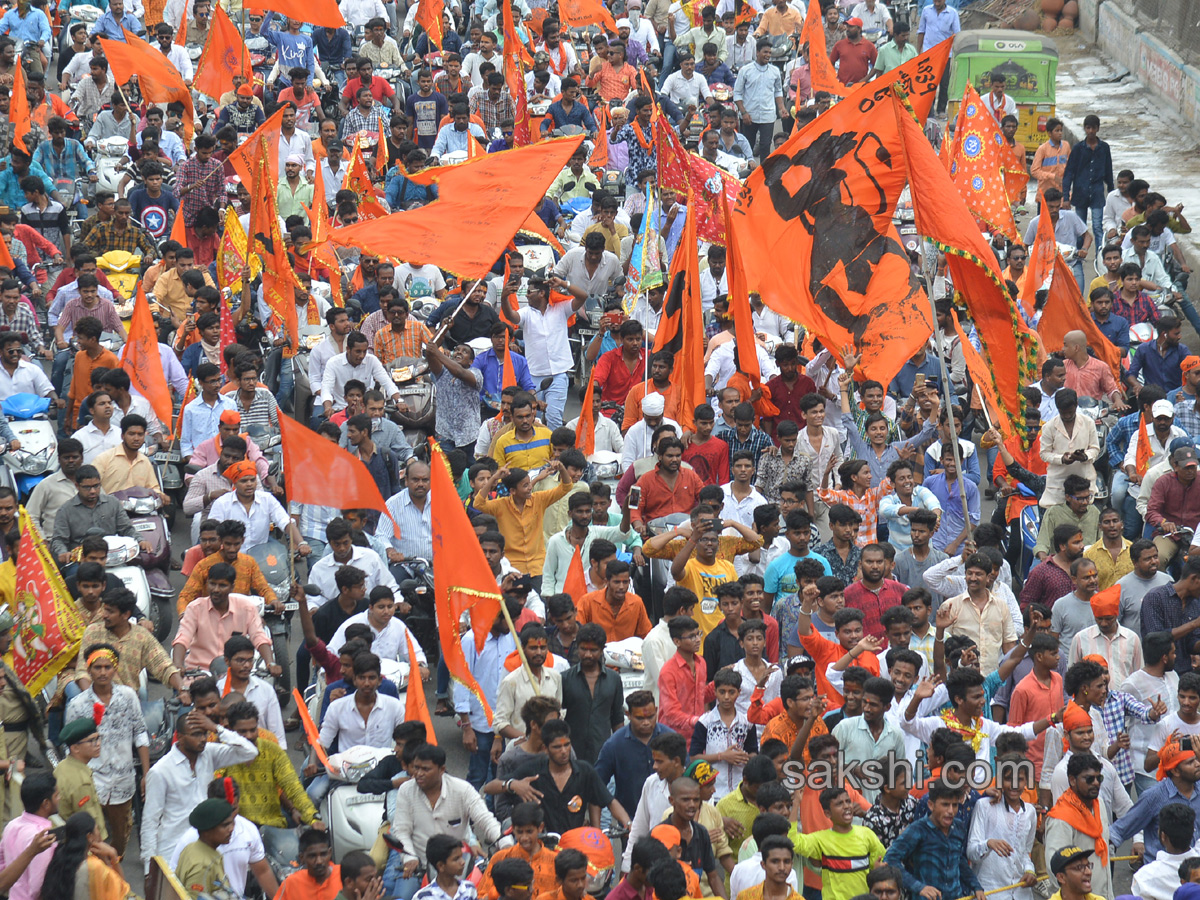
[(111, 25), (454, 137), (491, 364), (1159, 361), (295, 49), (567, 110), (1088, 177), (13, 168), (938, 22), (1115, 328), (626, 755), (334, 47)]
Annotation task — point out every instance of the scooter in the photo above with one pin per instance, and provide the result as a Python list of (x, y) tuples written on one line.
[(272, 559), (415, 577), (144, 508), (123, 270), (625, 657), (111, 153), (38, 456)]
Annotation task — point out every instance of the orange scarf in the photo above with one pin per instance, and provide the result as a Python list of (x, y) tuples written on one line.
[(1142, 462), (641, 135), (1070, 809)]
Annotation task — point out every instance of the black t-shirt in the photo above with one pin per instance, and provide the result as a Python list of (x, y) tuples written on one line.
[(698, 852), (329, 618), (568, 808)]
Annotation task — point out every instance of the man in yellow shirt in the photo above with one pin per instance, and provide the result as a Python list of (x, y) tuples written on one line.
[(125, 466), (519, 515), (174, 292), (527, 445)]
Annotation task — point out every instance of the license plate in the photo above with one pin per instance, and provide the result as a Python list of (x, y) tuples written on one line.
[(291, 606), (143, 526)]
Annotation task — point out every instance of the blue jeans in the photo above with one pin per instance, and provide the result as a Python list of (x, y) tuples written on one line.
[(1189, 312), (318, 788), (394, 882), (59, 370), (1120, 487), (1077, 268), (1143, 781), (479, 768), (281, 843), (1097, 222), (668, 61), (555, 398)]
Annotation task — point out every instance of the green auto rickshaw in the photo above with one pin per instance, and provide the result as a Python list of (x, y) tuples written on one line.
[(1028, 60)]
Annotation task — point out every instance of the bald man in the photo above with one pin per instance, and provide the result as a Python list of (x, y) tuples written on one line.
[(1087, 376)]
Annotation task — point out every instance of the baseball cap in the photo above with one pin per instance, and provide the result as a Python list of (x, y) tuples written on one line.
[(1065, 857), (1162, 408), (1185, 456), (854, 21), (800, 662)]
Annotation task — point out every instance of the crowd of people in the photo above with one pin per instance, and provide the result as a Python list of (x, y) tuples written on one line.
[(848, 673)]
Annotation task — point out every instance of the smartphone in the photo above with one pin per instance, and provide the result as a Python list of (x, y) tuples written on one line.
[(635, 497), (919, 382), (1185, 743)]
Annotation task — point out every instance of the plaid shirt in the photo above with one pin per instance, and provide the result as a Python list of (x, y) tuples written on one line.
[(493, 112), (1121, 434), (757, 443), (105, 237), (356, 120), (1186, 416), (1113, 713), (866, 506), (1141, 310), (313, 519), (72, 163), (389, 345), (23, 322), (208, 189), (940, 860)]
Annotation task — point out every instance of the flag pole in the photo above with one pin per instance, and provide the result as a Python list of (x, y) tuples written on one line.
[(520, 650), (445, 326), (937, 336)]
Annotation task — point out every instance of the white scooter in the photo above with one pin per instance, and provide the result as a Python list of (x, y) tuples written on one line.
[(111, 153), (626, 657)]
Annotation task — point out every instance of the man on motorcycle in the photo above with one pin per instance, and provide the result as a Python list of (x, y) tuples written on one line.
[(255, 508), (175, 54), (89, 510), (32, 27), (121, 234), (249, 578)]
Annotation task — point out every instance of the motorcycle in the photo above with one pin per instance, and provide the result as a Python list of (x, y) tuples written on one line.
[(625, 657), (38, 455), (123, 270), (415, 578), (410, 375), (310, 336), (145, 511), (272, 558)]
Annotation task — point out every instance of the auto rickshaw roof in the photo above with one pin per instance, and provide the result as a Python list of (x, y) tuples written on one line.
[(1009, 40)]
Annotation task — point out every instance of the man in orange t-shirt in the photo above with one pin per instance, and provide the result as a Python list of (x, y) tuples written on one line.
[(319, 879), (617, 609)]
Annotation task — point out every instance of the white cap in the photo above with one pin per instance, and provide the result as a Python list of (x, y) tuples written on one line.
[(654, 404), (1162, 408)]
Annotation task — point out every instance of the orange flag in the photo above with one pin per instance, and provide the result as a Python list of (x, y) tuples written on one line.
[(158, 80), (358, 179), (141, 360), (224, 56), (746, 347), (243, 159), (575, 584), (821, 71), (266, 239), (381, 150), (462, 581), (483, 204), (981, 378), (178, 229), (535, 227), (6, 259), (824, 201), (181, 29), (310, 728), (18, 109), (517, 60), (415, 707), (430, 15), (578, 13), (599, 158), (1142, 460), (975, 166), (681, 328), (1065, 310), (315, 12), (1008, 346), (585, 434), (345, 482), (1040, 266)]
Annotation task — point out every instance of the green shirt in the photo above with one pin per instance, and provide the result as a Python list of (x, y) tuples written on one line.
[(845, 859), (1060, 514), (891, 56), (77, 791), (736, 806), (201, 869)]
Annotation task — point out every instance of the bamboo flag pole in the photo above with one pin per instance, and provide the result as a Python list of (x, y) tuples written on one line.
[(1010, 887)]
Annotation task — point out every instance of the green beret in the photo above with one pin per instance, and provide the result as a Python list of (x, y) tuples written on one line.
[(209, 814), (75, 731)]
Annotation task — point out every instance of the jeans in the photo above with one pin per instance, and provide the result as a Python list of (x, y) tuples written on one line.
[(555, 398), (479, 768), (318, 788), (1189, 312), (1077, 268), (1120, 487), (1143, 781), (58, 371), (443, 679), (279, 376), (1097, 222), (668, 61), (394, 882), (1131, 517), (759, 133)]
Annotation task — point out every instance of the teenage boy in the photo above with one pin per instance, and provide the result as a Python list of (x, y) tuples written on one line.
[(722, 645), (723, 736), (443, 853), (1003, 829), (842, 842), (780, 577), (848, 631), (912, 561), (932, 852), (683, 681), (1038, 694)]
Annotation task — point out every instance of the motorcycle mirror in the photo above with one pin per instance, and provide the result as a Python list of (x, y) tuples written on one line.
[(546, 382), (312, 590)]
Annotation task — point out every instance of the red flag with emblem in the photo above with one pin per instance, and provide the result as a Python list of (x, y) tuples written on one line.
[(975, 166), (224, 57)]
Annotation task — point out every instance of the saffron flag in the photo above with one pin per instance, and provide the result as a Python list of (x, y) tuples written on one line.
[(483, 205), (578, 13), (48, 629), (745, 344), (1016, 172), (244, 158), (1008, 346), (415, 707), (381, 151), (516, 60), (223, 57), (1040, 264), (158, 79), (179, 230), (681, 328), (1066, 311), (585, 433), (975, 166), (279, 281), (231, 254), (6, 259), (358, 179), (575, 584), (181, 29), (430, 17), (310, 730), (344, 481), (821, 71), (315, 12), (824, 202), (463, 584), (18, 109), (599, 157), (981, 377), (918, 79), (188, 396), (140, 359)]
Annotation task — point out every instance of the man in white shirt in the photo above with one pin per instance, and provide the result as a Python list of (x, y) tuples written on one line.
[(179, 781), (333, 170), (257, 509), (996, 101), (334, 344), (420, 281), (637, 439), (360, 12), (345, 552), (19, 376), (685, 87), (175, 54), (294, 141), (354, 364), (486, 53)]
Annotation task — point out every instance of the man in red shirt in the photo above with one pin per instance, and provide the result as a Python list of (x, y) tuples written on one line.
[(855, 55), (379, 87), (708, 455), (620, 368), (667, 488), (873, 593), (787, 388)]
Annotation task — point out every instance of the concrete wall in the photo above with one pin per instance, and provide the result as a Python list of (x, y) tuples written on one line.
[(1158, 67)]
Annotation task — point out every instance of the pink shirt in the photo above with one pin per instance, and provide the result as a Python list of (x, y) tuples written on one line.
[(204, 631), (207, 453), (18, 834)]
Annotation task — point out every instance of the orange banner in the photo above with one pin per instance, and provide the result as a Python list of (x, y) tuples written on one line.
[(681, 327), (975, 166), (415, 707), (140, 359), (158, 79), (224, 56)]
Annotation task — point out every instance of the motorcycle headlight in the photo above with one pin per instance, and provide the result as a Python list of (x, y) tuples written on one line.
[(607, 470), (140, 506)]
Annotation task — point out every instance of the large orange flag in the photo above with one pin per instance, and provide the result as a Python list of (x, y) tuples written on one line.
[(415, 707), (681, 328), (749, 371), (1066, 311), (1009, 347), (266, 239), (244, 158), (462, 581), (821, 71), (585, 434), (315, 12), (517, 60), (982, 378), (975, 166), (483, 205), (18, 109), (430, 17), (575, 584), (141, 360), (158, 79), (578, 13), (344, 481), (224, 56), (824, 202), (1040, 267)]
